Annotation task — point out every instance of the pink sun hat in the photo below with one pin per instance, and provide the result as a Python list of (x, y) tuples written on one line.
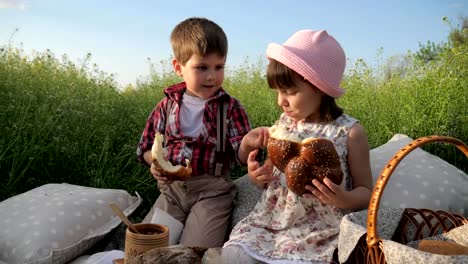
[(314, 55)]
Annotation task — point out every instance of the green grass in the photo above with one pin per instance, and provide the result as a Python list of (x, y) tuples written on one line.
[(62, 122)]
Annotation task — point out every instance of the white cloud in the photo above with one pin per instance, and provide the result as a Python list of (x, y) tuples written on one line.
[(13, 4)]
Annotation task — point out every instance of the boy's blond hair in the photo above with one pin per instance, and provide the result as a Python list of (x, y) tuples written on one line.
[(198, 36)]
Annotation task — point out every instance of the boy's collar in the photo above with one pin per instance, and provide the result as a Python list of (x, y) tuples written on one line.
[(176, 91)]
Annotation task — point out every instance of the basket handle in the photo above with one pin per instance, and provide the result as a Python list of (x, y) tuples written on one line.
[(372, 238)]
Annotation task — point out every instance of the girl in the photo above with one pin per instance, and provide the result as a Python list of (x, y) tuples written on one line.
[(283, 227)]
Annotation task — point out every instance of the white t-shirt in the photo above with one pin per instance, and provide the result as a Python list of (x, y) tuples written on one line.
[(191, 115)]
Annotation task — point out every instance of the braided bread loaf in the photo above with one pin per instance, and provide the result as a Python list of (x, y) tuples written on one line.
[(303, 160)]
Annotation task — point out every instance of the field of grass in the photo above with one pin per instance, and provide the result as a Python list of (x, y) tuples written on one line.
[(62, 122)]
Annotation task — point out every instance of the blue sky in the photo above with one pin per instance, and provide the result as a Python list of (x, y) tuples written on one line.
[(122, 35)]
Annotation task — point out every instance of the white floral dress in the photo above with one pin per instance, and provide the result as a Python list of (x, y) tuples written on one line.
[(286, 228)]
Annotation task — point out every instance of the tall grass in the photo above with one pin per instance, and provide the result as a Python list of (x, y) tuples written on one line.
[(66, 123), (62, 122), (431, 99)]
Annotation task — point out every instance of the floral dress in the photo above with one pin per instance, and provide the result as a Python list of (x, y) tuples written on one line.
[(286, 228)]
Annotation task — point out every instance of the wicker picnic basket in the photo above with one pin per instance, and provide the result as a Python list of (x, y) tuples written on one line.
[(415, 224)]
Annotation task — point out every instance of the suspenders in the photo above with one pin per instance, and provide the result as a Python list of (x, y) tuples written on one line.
[(221, 124), (221, 127)]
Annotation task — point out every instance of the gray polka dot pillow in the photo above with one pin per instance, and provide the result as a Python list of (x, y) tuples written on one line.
[(247, 197), (421, 180), (55, 223)]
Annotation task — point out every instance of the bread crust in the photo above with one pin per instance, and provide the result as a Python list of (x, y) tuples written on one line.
[(442, 247)]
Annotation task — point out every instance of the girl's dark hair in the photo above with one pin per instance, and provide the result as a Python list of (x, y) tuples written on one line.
[(279, 76)]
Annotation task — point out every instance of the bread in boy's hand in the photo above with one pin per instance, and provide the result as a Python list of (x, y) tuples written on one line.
[(303, 160), (165, 167)]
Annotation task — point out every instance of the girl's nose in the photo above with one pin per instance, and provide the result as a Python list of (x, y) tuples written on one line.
[(281, 100)]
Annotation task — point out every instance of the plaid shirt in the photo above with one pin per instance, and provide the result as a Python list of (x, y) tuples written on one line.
[(200, 151)]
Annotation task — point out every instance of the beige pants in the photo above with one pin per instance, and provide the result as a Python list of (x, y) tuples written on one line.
[(203, 204)]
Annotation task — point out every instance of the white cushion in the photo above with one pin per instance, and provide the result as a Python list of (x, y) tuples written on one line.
[(175, 227), (421, 180), (55, 223), (105, 257)]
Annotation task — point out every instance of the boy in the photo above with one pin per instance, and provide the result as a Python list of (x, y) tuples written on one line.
[(187, 117)]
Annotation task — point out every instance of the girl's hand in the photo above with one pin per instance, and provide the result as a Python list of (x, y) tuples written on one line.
[(157, 175), (327, 193), (259, 175)]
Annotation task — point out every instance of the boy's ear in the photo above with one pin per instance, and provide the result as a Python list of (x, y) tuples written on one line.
[(177, 67)]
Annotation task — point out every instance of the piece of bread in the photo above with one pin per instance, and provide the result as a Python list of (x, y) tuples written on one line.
[(442, 247), (165, 167), (303, 160)]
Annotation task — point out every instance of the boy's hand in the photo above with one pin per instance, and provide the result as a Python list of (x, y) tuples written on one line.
[(258, 137), (259, 175), (327, 193), (157, 175)]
